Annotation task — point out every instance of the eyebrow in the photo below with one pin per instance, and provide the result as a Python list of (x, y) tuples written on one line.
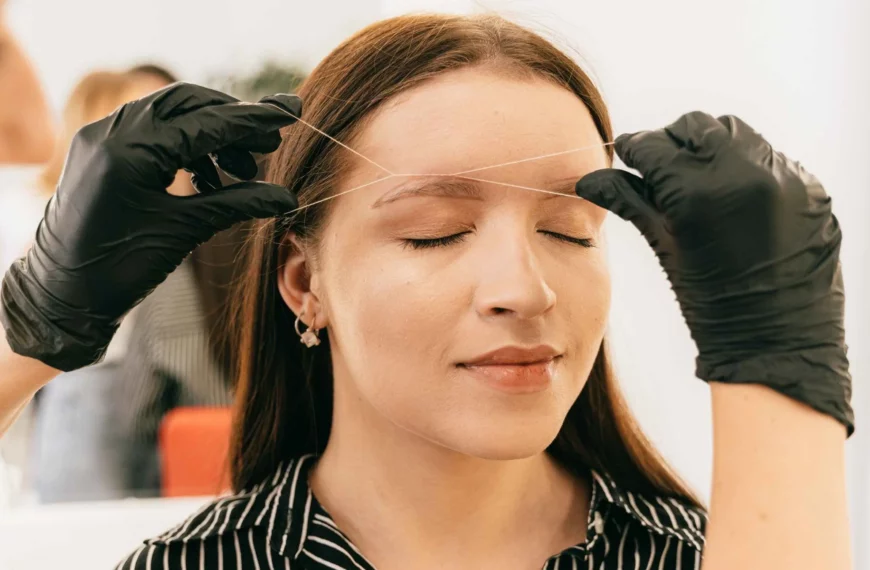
[(463, 188)]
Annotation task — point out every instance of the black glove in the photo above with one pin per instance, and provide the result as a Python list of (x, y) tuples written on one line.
[(751, 248), (112, 233)]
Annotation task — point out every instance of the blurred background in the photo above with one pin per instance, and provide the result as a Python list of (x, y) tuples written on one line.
[(798, 71)]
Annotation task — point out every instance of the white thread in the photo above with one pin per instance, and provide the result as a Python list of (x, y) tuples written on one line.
[(338, 142), (354, 189), (454, 175), (534, 158)]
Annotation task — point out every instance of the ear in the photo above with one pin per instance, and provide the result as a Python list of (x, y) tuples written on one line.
[(297, 285)]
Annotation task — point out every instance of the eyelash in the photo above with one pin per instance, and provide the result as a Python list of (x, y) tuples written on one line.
[(456, 238)]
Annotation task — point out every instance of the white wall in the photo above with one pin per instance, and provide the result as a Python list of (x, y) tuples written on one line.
[(120, 525), (797, 70), (196, 38)]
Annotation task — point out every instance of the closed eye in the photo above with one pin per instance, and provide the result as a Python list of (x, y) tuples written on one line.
[(434, 242), (584, 242), (456, 238)]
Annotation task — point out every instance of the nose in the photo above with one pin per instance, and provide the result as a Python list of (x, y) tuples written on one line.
[(510, 278)]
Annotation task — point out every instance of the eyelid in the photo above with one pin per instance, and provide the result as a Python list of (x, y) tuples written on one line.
[(583, 242), (446, 240), (427, 243)]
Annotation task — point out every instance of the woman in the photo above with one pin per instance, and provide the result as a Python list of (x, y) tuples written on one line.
[(452, 405)]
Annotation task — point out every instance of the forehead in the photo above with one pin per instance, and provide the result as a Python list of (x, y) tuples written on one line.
[(476, 117)]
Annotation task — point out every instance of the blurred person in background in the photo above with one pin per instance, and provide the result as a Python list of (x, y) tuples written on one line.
[(67, 414), (26, 126), (171, 351), (27, 140), (27, 136), (96, 430)]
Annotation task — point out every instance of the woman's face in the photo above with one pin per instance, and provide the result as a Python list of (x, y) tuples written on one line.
[(419, 280)]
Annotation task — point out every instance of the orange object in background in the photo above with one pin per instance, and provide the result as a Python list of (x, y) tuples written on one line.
[(194, 443)]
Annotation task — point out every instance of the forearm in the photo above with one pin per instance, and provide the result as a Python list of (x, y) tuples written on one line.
[(26, 129), (779, 484), (20, 378)]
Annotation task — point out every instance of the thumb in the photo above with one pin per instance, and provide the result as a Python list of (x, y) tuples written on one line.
[(623, 194), (242, 202)]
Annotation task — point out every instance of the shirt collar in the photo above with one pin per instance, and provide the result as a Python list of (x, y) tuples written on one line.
[(300, 528), (667, 516)]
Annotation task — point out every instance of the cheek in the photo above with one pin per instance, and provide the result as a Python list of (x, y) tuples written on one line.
[(594, 290), (584, 294), (390, 316)]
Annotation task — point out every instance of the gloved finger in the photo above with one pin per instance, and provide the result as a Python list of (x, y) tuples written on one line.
[(624, 194), (647, 151), (265, 143), (242, 202), (236, 162), (180, 98), (210, 128), (204, 177), (737, 126), (698, 133), (750, 139), (262, 143)]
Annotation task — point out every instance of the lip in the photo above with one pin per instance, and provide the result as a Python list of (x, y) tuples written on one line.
[(515, 355), (515, 370)]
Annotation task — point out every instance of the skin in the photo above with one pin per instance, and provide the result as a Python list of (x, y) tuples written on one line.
[(458, 468), (779, 484)]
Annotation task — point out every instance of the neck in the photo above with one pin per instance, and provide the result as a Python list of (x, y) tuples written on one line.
[(400, 497)]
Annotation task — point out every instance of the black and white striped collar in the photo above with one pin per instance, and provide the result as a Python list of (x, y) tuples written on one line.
[(312, 534), (299, 528), (667, 516)]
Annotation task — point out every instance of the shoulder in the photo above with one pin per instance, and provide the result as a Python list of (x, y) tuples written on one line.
[(236, 531)]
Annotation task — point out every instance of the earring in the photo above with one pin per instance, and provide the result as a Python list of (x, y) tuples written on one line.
[(310, 337)]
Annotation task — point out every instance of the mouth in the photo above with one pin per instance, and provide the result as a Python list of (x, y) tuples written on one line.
[(515, 356), (516, 370)]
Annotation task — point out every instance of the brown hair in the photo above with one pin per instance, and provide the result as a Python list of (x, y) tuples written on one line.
[(154, 70), (284, 392)]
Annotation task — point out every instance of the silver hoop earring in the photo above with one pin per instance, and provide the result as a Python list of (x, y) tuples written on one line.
[(310, 337)]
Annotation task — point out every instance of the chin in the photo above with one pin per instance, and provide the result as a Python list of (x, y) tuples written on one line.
[(505, 442)]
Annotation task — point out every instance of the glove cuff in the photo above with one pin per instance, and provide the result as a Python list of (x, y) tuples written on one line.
[(46, 335), (818, 377)]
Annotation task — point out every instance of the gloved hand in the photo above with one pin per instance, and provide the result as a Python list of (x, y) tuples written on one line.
[(112, 233), (751, 248)]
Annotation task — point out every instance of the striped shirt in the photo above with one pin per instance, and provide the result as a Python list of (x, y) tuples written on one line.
[(279, 524)]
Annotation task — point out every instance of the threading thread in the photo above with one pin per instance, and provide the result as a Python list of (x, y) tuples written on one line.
[(341, 144), (461, 174)]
